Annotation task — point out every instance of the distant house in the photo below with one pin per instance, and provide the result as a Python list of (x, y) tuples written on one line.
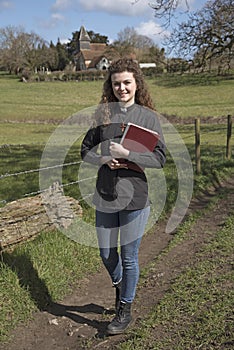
[(147, 65), (90, 55)]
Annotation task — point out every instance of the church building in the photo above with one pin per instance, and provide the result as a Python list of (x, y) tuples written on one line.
[(90, 55)]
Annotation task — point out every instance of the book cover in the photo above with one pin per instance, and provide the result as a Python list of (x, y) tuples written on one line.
[(139, 139)]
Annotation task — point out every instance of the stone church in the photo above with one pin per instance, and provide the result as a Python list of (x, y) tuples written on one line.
[(90, 55)]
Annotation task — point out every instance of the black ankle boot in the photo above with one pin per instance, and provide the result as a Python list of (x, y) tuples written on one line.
[(122, 319), (117, 295)]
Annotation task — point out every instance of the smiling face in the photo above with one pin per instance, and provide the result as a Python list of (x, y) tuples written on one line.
[(124, 87)]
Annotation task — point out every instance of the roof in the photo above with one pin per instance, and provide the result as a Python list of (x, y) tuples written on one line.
[(89, 54), (84, 36), (97, 47)]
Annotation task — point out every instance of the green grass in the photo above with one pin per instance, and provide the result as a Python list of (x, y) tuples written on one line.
[(196, 313), (194, 101), (45, 102), (24, 133), (55, 101), (191, 79)]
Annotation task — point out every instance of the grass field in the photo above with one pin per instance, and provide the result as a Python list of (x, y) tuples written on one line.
[(44, 102), (53, 102), (29, 114)]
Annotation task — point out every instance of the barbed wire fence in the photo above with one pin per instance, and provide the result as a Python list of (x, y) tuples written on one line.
[(196, 139), (31, 171)]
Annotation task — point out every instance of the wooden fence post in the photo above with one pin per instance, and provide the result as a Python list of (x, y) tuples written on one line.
[(197, 146), (1, 251), (229, 135)]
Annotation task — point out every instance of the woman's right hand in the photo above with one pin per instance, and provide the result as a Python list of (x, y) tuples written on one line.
[(113, 163)]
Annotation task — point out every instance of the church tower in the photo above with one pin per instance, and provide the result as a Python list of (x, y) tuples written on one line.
[(84, 40)]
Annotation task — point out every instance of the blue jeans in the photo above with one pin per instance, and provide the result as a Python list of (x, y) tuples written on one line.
[(124, 228)]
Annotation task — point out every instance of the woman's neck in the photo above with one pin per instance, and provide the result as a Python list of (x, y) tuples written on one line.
[(127, 104)]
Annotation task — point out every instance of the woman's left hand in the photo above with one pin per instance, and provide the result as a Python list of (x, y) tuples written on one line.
[(118, 151)]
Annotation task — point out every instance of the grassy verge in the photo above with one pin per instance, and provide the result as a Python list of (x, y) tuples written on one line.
[(196, 312)]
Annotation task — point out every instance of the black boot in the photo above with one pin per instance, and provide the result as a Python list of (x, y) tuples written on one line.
[(122, 319), (117, 295)]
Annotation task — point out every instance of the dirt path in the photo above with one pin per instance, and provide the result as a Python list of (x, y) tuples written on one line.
[(79, 321)]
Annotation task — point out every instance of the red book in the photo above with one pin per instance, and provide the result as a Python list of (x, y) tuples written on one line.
[(139, 139)]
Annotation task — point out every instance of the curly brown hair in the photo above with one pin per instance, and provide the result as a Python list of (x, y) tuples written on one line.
[(142, 95)]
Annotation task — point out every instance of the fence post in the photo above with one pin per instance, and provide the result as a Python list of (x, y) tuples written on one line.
[(1, 251), (197, 146), (229, 135)]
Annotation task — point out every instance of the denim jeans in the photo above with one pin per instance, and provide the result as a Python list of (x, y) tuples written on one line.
[(124, 228)]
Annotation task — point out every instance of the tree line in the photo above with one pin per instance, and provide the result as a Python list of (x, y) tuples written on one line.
[(203, 42)]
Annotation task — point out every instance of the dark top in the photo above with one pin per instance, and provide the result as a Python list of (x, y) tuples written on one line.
[(122, 188)]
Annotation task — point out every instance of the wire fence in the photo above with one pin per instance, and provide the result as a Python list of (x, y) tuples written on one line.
[(194, 138), (31, 171), (37, 170)]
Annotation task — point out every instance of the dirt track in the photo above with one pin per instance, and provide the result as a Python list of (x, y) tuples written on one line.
[(79, 321)]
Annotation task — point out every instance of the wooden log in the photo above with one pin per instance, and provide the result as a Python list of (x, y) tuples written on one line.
[(26, 218)]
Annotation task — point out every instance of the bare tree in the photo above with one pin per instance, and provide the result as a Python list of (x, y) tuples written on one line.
[(117, 50), (130, 37), (125, 45), (18, 48), (141, 47), (165, 8), (208, 33)]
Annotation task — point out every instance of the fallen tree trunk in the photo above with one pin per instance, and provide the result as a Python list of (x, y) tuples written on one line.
[(25, 218)]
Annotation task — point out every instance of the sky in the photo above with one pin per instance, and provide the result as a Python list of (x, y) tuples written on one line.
[(53, 19)]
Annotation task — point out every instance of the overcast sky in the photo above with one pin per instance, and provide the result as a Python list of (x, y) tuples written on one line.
[(53, 19)]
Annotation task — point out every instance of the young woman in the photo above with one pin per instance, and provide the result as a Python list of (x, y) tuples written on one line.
[(121, 196)]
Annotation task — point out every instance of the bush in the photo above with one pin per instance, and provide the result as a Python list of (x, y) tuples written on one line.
[(66, 75), (26, 74), (152, 72)]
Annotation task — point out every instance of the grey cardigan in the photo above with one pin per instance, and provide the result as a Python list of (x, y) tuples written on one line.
[(123, 189)]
